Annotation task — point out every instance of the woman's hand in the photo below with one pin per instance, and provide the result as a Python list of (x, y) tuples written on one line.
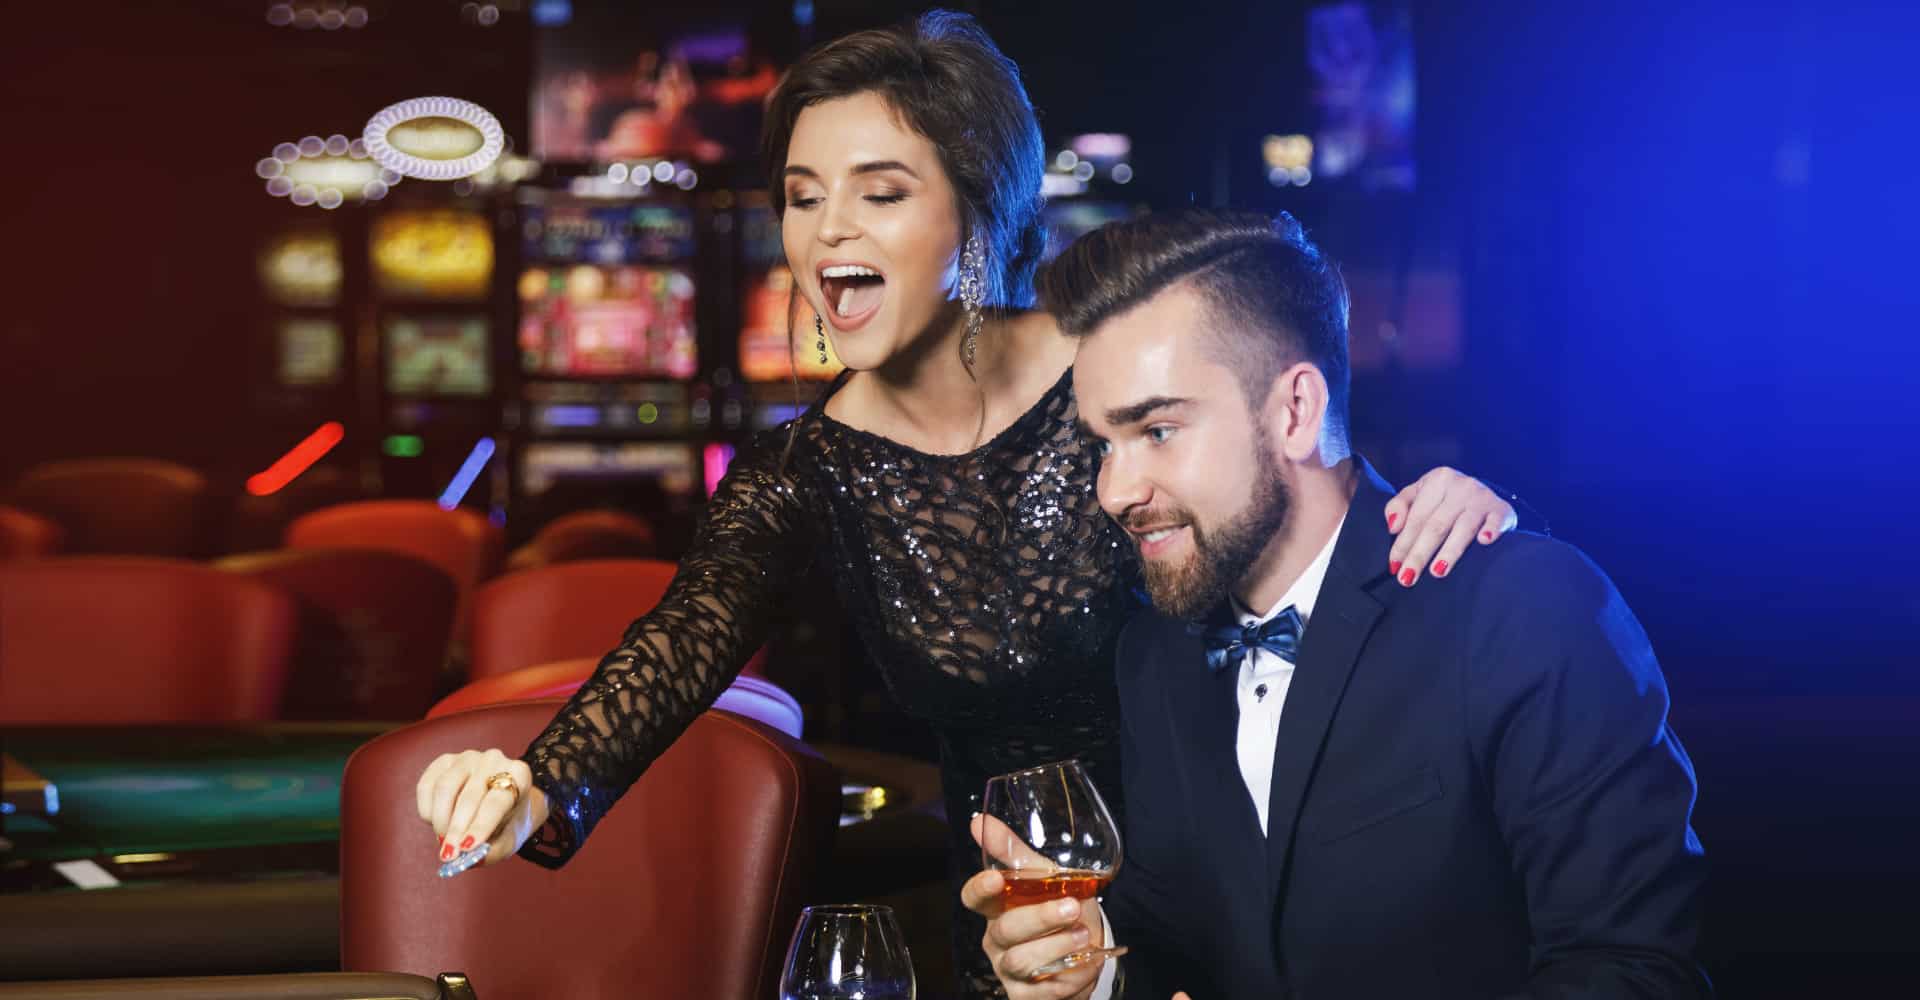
[(1444, 512), (454, 798)]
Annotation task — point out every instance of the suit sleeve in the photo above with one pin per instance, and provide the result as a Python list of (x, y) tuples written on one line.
[(1140, 905), (1592, 792)]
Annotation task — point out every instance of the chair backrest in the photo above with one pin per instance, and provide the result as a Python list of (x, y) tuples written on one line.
[(286, 986), (542, 683), (373, 631), (26, 535), (690, 887), (465, 545), (587, 534), (120, 506), (127, 640), (564, 612), (754, 697)]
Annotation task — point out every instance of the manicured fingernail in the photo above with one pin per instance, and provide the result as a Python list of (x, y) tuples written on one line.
[(1081, 936), (1392, 519), (1440, 567), (446, 851), (1406, 579), (467, 844), (1067, 907), (1486, 536), (1394, 567)]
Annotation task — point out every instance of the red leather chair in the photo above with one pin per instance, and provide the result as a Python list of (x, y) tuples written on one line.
[(563, 612), (132, 640), (587, 534), (26, 535), (465, 545), (373, 630), (542, 683), (750, 695), (689, 888), (120, 506)]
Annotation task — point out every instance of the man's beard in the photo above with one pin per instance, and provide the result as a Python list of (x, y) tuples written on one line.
[(1220, 557)]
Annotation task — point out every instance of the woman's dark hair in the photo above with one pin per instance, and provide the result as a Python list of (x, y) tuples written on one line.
[(947, 81)]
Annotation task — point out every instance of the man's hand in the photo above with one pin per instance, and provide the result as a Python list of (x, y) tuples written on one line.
[(1024, 938)]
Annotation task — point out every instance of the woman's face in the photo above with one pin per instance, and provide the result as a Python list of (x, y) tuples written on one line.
[(872, 227)]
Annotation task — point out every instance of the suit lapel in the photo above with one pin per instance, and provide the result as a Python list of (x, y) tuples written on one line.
[(1350, 603), (1206, 722)]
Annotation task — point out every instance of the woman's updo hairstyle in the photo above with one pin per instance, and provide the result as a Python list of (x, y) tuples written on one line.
[(948, 82)]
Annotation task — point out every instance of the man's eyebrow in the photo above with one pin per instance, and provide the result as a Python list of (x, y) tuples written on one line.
[(1133, 413)]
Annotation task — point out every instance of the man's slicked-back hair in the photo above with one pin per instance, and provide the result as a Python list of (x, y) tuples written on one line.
[(1274, 298)]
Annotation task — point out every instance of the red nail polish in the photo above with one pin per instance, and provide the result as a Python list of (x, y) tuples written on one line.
[(1486, 536), (1393, 566), (1406, 579), (446, 851), (466, 844), (1440, 568), (1392, 519)]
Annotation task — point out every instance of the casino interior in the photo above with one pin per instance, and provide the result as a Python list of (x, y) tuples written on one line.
[(367, 365)]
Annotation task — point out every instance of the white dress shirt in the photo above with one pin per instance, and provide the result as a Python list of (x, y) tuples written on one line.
[(1261, 693)]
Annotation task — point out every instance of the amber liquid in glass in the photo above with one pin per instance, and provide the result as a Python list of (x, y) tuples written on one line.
[(1025, 888)]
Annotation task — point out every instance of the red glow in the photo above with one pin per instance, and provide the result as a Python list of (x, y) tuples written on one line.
[(297, 461)]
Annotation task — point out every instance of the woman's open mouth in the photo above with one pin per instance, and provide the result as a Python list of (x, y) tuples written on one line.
[(853, 293)]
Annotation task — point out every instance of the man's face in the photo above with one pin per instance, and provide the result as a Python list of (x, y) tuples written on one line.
[(1187, 468)]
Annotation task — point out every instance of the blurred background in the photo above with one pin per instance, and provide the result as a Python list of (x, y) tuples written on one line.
[(1648, 265)]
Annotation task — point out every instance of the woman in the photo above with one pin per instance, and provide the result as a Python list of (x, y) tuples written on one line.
[(942, 479)]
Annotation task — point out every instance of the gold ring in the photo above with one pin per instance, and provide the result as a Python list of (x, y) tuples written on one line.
[(503, 782)]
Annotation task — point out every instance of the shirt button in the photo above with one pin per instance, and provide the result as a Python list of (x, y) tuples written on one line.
[(1260, 693)]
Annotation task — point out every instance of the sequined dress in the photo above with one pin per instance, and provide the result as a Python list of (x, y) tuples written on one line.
[(989, 587)]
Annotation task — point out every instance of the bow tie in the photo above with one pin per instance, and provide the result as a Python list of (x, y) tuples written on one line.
[(1228, 644)]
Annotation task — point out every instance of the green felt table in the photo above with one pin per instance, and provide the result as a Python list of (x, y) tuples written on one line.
[(129, 797)]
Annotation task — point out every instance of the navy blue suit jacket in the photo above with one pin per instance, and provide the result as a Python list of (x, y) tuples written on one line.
[(1475, 794)]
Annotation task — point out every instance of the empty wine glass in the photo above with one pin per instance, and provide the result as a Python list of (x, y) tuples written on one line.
[(847, 952)]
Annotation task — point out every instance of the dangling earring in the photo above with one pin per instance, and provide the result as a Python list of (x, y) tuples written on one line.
[(973, 273), (820, 337)]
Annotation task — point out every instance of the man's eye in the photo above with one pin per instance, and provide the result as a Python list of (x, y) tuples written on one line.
[(1159, 435)]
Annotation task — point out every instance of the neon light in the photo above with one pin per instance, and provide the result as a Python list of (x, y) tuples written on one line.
[(492, 138), (570, 416), (717, 457), (648, 413), (469, 472), (298, 460), (403, 445)]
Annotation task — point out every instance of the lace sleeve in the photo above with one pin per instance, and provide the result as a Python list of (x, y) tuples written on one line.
[(674, 661)]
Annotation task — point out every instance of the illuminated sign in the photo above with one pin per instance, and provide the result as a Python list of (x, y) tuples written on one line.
[(435, 138), (324, 172)]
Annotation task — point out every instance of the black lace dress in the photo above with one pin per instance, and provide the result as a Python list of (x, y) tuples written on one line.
[(989, 587)]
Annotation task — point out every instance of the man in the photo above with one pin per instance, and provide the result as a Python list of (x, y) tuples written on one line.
[(1337, 786)]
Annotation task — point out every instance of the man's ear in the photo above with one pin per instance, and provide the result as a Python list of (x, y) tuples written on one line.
[(1295, 411)]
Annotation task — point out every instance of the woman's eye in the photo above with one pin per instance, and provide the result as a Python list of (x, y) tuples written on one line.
[(886, 199), (802, 203)]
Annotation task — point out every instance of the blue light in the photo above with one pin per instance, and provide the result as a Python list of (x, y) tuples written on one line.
[(552, 13), (803, 12), (469, 472), (570, 416)]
